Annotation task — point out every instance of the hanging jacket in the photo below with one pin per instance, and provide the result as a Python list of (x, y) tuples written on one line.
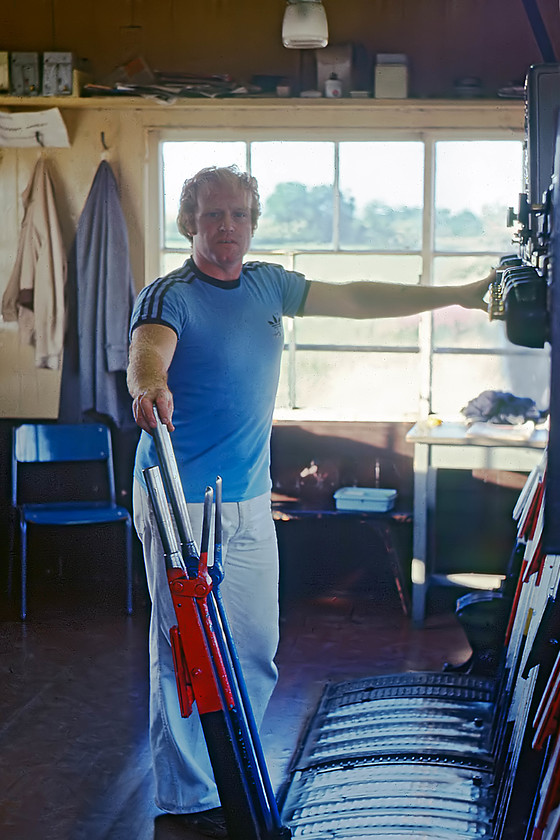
[(34, 296), (100, 298)]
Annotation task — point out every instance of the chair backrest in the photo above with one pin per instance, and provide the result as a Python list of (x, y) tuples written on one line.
[(75, 445)]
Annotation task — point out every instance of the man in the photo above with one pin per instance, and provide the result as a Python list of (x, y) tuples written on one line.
[(206, 343)]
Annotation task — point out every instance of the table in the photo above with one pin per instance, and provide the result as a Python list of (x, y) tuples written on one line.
[(452, 446), (382, 523)]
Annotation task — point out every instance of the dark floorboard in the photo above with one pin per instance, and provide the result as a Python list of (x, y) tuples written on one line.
[(74, 755)]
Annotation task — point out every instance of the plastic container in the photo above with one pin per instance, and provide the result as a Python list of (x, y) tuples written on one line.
[(333, 88), (391, 76), (372, 499)]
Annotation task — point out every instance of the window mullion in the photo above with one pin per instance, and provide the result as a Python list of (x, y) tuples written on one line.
[(292, 347), (425, 335), (292, 383), (336, 199)]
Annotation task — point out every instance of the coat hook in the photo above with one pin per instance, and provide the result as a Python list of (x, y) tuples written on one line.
[(39, 139), (103, 142)]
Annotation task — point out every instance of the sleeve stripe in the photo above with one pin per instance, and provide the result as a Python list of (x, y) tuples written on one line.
[(154, 297)]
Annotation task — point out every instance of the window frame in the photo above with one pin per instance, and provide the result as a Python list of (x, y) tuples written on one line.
[(428, 125)]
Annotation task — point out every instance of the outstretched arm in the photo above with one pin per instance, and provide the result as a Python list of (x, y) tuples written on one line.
[(151, 351), (366, 299)]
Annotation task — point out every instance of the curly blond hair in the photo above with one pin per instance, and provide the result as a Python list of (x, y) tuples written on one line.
[(211, 176)]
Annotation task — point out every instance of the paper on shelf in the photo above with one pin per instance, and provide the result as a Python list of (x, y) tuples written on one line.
[(37, 128)]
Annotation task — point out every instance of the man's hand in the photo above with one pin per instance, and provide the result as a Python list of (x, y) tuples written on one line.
[(143, 409), (472, 294)]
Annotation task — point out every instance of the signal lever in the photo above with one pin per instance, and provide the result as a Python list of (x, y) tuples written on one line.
[(206, 663), (518, 296)]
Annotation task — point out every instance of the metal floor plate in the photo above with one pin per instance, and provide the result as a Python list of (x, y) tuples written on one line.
[(395, 757)]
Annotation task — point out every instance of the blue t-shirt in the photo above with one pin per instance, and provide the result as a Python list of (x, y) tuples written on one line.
[(224, 373)]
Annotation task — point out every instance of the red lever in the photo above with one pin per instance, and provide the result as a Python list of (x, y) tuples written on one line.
[(199, 667)]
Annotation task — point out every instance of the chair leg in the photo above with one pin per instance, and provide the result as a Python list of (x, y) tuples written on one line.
[(396, 568), (129, 567), (23, 549), (11, 549)]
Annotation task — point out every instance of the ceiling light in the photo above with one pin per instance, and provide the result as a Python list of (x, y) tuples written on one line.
[(305, 25)]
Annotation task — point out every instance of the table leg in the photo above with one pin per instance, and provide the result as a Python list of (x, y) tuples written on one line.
[(420, 532)]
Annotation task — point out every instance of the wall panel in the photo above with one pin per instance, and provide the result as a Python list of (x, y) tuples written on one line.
[(24, 390), (445, 39)]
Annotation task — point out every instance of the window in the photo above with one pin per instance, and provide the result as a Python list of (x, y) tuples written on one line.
[(429, 209)]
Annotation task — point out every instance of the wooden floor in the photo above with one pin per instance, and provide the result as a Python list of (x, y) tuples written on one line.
[(74, 755)]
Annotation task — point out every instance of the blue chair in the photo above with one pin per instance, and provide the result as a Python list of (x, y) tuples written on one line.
[(65, 455)]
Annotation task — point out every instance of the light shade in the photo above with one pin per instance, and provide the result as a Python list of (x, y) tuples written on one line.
[(305, 25)]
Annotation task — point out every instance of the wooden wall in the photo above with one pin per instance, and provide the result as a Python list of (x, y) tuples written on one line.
[(445, 39), (26, 391)]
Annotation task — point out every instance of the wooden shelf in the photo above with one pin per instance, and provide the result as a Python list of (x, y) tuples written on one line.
[(251, 102), (295, 115)]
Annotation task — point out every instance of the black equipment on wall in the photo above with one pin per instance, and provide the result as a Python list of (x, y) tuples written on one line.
[(552, 499), (525, 294), (541, 108)]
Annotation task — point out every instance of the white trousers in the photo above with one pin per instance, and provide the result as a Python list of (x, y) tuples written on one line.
[(183, 773)]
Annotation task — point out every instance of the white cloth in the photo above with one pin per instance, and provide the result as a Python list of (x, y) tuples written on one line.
[(34, 296), (183, 773)]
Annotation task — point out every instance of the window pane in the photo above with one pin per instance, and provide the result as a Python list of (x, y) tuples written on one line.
[(296, 188), (458, 327), (390, 332), (183, 159), (283, 393), (476, 181), (381, 195), (458, 379), (172, 260), (356, 385), (342, 268), (285, 260)]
